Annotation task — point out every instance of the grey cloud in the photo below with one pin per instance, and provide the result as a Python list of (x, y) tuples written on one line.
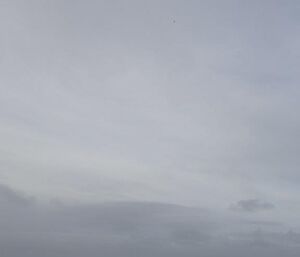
[(111, 101), (252, 205), (9, 196), (118, 80), (133, 229)]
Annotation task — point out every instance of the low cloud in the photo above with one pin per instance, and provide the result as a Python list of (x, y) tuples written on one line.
[(13, 197), (132, 229), (252, 205)]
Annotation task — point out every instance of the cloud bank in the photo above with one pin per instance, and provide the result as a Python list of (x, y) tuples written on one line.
[(132, 229)]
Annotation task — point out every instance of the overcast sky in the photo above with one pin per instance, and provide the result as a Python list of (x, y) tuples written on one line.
[(142, 128)]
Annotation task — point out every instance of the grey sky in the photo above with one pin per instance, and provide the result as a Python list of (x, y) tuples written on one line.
[(149, 105)]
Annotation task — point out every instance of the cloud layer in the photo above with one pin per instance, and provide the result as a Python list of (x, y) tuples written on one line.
[(135, 134), (131, 229)]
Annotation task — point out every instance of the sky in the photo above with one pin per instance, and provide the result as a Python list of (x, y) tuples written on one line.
[(142, 128)]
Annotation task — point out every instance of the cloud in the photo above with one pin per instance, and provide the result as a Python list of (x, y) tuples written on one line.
[(252, 205), (106, 101), (110, 101), (134, 229), (9, 196)]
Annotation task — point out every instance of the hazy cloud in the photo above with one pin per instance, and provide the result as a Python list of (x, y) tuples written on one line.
[(134, 133)]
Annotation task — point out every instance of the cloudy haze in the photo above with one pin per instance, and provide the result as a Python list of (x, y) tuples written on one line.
[(149, 128)]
